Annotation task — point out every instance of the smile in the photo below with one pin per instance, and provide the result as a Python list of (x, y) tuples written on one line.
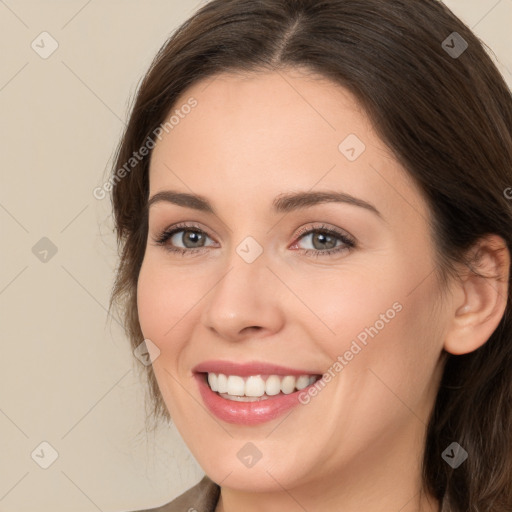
[(254, 387), (251, 393)]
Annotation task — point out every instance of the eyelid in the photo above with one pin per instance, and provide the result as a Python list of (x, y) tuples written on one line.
[(322, 227), (301, 231), (348, 241), (181, 226)]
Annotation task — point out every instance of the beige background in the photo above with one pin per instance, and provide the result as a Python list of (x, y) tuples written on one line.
[(67, 376)]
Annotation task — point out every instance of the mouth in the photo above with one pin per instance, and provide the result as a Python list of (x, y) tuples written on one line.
[(257, 387), (251, 393)]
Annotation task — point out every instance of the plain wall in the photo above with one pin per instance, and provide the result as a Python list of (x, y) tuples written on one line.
[(67, 375)]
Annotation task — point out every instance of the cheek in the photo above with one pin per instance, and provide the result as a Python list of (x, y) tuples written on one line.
[(166, 314), (351, 302), (160, 307), (400, 357), (387, 333), (152, 302), (165, 303)]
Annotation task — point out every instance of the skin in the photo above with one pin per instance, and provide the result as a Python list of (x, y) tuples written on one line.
[(358, 445)]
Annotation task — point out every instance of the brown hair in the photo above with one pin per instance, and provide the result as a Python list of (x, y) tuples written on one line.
[(448, 120)]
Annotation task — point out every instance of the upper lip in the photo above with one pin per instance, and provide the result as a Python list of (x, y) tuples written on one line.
[(249, 368)]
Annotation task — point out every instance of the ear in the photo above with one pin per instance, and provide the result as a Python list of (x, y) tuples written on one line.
[(479, 300)]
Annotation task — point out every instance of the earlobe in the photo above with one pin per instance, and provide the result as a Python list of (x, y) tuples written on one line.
[(482, 292)]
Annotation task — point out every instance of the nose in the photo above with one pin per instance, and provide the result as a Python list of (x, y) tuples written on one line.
[(244, 303)]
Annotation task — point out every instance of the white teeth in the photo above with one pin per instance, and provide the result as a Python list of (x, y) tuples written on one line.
[(236, 385), (302, 382), (288, 384), (255, 387), (222, 383), (235, 398), (212, 380), (273, 385)]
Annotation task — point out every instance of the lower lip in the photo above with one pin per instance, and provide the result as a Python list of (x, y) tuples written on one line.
[(246, 413)]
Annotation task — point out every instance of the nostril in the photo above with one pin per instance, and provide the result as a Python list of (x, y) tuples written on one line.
[(256, 328)]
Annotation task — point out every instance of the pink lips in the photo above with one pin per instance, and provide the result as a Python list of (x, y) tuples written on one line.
[(246, 413)]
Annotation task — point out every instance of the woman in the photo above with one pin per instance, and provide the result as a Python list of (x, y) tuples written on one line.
[(312, 209)]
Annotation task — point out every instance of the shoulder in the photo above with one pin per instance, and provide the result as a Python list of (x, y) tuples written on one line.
[(203, 497)]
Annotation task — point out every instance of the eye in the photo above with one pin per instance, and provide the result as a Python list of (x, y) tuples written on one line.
[(190, 236), (325, 241)]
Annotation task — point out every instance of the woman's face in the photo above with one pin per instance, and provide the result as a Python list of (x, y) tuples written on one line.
[(264, 280)]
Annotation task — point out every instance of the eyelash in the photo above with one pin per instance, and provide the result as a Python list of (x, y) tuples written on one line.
[(349, 242)]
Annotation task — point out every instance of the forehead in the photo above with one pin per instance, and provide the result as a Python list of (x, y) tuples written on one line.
[(280, 109), (274, 132)]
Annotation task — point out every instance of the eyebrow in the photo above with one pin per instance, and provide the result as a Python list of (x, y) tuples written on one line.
[(283, 203)]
